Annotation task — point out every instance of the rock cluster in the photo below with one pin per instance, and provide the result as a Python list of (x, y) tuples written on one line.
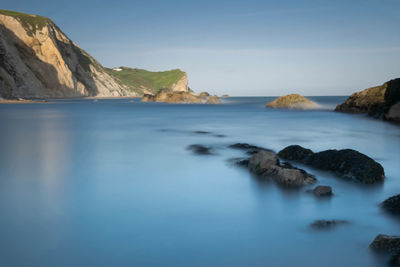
[(266, 164), (380, 101), (347, 163), (293, 101), (168, 96)]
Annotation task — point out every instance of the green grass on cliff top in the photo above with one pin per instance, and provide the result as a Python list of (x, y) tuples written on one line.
[(31, 23), (136, 79)]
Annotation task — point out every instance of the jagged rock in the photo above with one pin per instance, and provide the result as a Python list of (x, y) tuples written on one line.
[(325, 224), (322, 191), (392, 205), (266, 164), (376, 101), (347, 163), (293, 101)]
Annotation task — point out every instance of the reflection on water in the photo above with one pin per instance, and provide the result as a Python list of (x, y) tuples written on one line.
[(111, 183)]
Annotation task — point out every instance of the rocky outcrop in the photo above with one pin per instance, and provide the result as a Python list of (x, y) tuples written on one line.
[(347, 163), (37, 60), (225, 96), (266, 164), (392, 205), (169, 96), (213, 100), (380, 101), (293, 101)]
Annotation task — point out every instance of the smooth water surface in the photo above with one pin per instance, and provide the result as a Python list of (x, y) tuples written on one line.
[(111, 183)]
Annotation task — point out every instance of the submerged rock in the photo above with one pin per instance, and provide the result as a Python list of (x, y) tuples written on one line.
[(325, 224), (293, 101), (386, 243), (250, 149), (392, 205), (266, 164), (200, 149), (380, 101), (347, 163), (322, 191)]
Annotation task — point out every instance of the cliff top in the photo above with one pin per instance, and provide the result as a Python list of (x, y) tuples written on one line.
[(31, 23), (154, 81)]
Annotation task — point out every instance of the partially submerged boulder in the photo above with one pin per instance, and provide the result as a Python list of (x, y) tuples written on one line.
[(200, 149), (392, 205), (322, 191), (380, 101), (266, 164), (347, 163), (386, 243), (293, 101)]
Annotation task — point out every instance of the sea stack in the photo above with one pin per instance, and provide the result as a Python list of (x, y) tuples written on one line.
[(292, 101)]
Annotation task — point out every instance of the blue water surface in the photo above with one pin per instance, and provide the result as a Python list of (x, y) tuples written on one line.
[(111, 183)]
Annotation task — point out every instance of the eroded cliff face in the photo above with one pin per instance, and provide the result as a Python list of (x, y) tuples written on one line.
[(181, 85), (37, 60)]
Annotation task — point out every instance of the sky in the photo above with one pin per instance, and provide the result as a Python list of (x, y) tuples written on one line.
[(252, 48)]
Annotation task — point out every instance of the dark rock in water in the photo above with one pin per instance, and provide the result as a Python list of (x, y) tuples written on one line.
[(392, 205), (219, 135), (375, 101), (322, 191), (395, 260), (250, 149), (266, 164), (296, 153), (347, 163), (202, 132), (240, 162), (200, 149), (326, 224), (386, 243)]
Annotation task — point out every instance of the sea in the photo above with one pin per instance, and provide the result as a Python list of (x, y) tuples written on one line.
[(113, 183)]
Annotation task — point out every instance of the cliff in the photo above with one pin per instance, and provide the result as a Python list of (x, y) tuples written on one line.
[(380, 101), (37, 60)]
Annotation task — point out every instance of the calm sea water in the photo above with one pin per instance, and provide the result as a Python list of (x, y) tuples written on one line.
[(111, 183)]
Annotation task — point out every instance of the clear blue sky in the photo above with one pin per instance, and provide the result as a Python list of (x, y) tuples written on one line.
[(240, 47)]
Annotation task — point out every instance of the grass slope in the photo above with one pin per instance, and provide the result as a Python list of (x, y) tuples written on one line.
[(31, 23), (138, 79)]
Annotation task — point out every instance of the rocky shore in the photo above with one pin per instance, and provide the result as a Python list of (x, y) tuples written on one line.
[(169, 96), (381, 102)]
